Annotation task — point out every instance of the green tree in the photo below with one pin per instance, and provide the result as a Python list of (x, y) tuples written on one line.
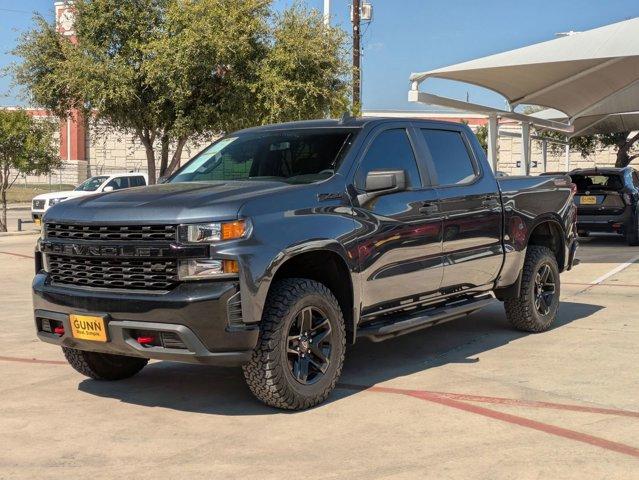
[(26, 147), (173, 70), (482, 135)]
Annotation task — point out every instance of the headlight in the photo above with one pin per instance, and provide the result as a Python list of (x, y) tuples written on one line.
[(212, 232), (201, 269), (54, 201)]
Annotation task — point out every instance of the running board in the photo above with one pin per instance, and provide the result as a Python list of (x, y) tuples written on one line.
[(377, 331)]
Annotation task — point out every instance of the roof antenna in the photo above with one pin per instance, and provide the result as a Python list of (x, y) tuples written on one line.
[(346, 116)]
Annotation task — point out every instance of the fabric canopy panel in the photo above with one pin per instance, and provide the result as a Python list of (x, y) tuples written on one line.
[(589, 73), (593, 124)]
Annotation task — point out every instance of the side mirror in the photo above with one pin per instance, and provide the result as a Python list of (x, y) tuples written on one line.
[(384, 181), (107, 189)]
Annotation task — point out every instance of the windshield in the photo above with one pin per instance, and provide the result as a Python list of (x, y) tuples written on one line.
[(292, 156), (91, 185), (597, 182)]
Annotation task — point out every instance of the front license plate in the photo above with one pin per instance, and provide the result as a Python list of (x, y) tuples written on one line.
[(88, 327), (37, 222), (587, 200)]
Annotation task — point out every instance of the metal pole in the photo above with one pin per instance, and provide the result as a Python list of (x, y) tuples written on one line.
[(493, 132), (544, 154), (525, 148), (327, 13), (567, 153), (356, 57)]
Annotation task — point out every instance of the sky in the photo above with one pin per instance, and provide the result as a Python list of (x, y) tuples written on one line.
[(405, 36)]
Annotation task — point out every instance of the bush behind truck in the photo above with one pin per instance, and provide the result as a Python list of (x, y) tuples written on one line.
[(278, 246)]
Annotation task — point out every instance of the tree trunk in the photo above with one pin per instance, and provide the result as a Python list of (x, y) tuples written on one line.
[(623, 151), (4, 183), (177, 156), (164, 157), (147, 141)]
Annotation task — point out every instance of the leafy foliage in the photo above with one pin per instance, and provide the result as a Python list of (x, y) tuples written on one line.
[(26, 147), (173, 70)]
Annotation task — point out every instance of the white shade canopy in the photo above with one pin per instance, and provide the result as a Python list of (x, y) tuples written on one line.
[(593, 124), (592, 73)]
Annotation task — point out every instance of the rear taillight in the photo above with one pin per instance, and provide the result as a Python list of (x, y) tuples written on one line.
[(627, 198), (573, 189)]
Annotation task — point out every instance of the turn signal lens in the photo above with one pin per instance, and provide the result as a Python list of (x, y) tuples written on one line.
[(231, 266), (231, 230)]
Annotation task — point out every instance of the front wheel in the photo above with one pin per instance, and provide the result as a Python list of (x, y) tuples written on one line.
[(536, 308), (300, 352)]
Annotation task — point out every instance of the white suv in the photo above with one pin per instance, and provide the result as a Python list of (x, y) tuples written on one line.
[(97, 184)]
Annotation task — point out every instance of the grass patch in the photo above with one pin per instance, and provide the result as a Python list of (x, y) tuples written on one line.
[(22, 194)]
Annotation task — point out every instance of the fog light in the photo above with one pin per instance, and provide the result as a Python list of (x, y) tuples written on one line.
[(200, 269)]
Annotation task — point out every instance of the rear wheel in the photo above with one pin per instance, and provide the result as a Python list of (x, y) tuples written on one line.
[(538, 302), (300, 352), (103, 366)]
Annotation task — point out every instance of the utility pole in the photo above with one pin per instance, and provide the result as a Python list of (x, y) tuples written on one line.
[(327, 13), (356, 57)]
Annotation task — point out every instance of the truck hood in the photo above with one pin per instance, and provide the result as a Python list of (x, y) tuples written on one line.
[(168, 203), (63, 194)]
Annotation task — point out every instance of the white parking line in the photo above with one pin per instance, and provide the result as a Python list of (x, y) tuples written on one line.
[(615, 270)]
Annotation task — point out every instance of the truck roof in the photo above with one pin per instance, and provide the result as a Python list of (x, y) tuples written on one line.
[(349, 122)]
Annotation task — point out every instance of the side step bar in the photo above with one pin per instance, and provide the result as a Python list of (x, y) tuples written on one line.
[(378, 332)]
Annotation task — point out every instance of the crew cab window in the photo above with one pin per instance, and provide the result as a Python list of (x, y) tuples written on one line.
[(391, 150), (292, 156), (450, 155), (118, 183), (137, 181)]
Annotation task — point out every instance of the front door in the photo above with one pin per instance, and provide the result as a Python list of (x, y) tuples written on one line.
[(400, 233)]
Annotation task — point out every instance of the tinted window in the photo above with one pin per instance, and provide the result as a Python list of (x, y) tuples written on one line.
[(137, 181), (391, 150), (292, 156), (450, 156), (91, 185), (597, 182), (118, 183)]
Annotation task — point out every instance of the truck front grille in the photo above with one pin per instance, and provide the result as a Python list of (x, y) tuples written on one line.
[(112, 232), (158, 274)]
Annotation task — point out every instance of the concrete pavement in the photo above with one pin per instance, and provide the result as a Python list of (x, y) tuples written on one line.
[(467, 399)]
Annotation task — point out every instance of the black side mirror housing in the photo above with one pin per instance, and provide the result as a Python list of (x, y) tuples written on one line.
[(384, 181)]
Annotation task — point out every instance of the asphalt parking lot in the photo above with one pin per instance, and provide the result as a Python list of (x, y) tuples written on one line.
[(467, 399)]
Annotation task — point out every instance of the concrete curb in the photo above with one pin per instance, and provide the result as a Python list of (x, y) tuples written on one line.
[(19, 206), (18, 234)]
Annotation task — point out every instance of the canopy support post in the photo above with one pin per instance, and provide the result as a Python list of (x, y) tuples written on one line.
[(493, 133), (567, 154), (525, 148), (544, 154)]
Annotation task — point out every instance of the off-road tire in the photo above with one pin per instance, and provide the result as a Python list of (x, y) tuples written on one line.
[(268, 373), (632, 232), (103, 366), (521, 312)]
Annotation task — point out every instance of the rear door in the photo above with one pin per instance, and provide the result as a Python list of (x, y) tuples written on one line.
[(399, 245), (470, 204)]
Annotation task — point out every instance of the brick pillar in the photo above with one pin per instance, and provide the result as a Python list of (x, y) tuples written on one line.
[(73, 128)]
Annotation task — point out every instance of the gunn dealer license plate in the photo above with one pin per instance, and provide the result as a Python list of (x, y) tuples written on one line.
[(588, 200), (87, 327)]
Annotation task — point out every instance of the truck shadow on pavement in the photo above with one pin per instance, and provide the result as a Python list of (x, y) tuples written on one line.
[(221, 391)]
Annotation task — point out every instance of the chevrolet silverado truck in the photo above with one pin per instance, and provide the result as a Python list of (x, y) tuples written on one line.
[(277, 246)]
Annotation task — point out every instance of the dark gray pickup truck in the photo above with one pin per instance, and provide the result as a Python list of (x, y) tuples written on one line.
[(277, 246)]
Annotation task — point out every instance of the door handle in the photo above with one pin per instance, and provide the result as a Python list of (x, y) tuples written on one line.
[(429, 208)]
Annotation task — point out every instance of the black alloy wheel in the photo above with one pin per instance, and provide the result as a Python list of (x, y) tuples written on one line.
[(544, 289), (309, 345)]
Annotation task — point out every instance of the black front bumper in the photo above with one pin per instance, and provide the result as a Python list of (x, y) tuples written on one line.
[(196, 312)]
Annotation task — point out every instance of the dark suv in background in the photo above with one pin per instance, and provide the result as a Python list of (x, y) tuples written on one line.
[(606, 201)]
